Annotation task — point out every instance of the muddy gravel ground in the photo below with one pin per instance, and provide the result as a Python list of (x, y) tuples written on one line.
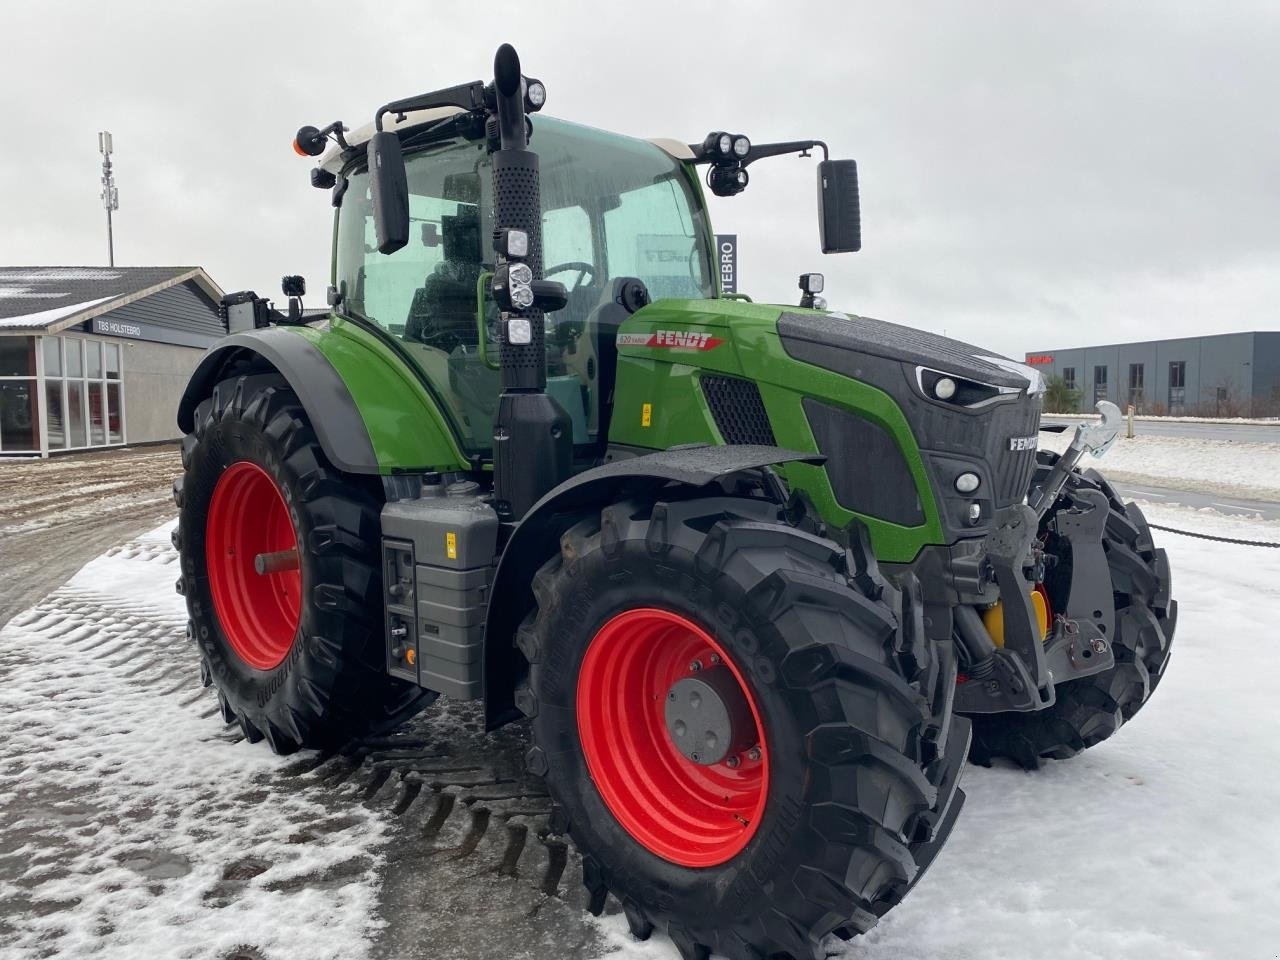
[(59, 513)]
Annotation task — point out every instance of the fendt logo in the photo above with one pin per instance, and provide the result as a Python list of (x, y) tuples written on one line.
[(679, 339), (1023, 443)]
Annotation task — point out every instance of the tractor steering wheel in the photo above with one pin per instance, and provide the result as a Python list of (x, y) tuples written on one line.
[(581, 267)]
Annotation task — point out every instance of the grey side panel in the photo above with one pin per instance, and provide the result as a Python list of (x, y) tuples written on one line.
[(436, 601), (535, 539), (334, 415)]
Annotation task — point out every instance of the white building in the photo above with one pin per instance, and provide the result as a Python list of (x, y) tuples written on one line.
[(98, 356)]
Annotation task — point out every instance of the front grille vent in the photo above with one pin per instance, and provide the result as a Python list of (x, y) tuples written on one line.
[(738, 410)]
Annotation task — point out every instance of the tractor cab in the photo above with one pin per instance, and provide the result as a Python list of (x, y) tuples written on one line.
[(612, 207)]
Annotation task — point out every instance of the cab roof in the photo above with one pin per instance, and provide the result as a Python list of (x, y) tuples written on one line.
[(332, 159)]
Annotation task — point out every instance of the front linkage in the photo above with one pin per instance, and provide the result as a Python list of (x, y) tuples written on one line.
[(1019, 672)]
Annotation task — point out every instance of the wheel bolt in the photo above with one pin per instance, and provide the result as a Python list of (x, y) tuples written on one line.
[(715, 658), (732, 761), (753, 753), (695, 666)]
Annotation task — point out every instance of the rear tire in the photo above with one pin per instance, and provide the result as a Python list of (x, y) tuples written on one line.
[(1089, 710), (863, 754), (307, 670)]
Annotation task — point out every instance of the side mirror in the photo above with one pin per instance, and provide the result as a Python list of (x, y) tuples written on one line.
[(389, 191), (839, 219)]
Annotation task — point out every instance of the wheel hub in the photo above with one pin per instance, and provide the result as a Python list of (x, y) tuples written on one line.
[(693, 812), (708, 717), (251, 554)]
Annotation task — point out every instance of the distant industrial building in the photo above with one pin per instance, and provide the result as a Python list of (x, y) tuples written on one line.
[(1223, 375), (99, 356)]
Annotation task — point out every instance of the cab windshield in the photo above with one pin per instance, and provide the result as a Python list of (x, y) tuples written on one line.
[(612, 207)]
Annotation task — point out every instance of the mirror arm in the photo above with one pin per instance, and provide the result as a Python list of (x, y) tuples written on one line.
[(761, 150), (466, 96)]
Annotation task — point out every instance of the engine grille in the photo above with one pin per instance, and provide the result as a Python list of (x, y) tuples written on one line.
[(1013, 475), (738, 410), (1012, 469)]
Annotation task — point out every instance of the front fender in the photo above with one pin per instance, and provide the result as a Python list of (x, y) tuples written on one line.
[(537, 538)]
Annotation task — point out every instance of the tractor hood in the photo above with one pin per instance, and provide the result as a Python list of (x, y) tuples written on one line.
[(919, 348)]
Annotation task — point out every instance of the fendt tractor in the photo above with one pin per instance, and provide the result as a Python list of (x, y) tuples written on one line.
[(758, 577)]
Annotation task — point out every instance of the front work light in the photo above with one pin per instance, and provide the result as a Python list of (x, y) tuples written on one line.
[(519, 330), (741, 146), (727, 181), (535, 95), (522, 299), (511, 243)]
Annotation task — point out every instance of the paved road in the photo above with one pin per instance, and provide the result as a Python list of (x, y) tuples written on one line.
[(1267, 509), (1239, 432)]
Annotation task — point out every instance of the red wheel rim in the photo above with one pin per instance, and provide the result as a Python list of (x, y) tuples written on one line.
[(690, 814), (259, 613)]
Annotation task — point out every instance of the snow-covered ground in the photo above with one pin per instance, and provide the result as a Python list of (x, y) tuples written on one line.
[(131, 825), (1247, 470), (1152, 418), (1162, 843)]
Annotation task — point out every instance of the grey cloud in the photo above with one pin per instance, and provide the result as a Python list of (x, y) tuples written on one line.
[(1033, 175)]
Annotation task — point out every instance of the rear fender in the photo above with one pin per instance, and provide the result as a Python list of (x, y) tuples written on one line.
[(537, 539)]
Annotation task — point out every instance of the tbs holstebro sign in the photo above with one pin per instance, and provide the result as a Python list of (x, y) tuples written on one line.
[(727, 260)]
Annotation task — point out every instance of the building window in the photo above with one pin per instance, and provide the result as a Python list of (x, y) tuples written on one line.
[(1099, 383), (19, 400), (1135, 386), (1069, 377), (83, 396), (1177, 387)]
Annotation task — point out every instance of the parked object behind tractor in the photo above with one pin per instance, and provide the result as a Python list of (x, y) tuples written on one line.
[(753, 572)]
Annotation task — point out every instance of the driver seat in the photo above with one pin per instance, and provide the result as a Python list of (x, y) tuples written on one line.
[(443, 311)]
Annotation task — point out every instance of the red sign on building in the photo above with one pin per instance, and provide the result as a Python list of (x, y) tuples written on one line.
[(1039, 359)]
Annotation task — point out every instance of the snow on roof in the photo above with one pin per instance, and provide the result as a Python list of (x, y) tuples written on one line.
[(44, 317), (35, 297)]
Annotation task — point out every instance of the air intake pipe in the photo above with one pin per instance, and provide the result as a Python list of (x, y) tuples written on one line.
[(532, 434)]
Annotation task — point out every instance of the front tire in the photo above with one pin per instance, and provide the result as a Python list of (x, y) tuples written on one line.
[(296, 654), (846, 784), (1089, 710)]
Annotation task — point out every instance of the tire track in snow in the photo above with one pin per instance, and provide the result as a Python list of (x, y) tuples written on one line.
[(134, 822)]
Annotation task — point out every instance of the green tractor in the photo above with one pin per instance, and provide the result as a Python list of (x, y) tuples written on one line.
[(759, 576)]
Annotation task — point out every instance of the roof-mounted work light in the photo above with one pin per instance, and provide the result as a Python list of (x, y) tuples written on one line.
[(535, 95)]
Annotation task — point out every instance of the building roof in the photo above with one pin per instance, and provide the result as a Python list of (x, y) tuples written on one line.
[(49, 299)]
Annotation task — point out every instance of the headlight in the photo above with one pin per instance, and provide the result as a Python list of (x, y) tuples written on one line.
[(741, 146)]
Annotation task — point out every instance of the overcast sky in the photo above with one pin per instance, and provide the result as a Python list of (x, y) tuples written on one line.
[(1033, 175)]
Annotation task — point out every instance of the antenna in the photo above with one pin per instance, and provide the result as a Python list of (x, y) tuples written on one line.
[(110, 196)]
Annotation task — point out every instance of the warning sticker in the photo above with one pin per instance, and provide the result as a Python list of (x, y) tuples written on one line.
[(671, 339)]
